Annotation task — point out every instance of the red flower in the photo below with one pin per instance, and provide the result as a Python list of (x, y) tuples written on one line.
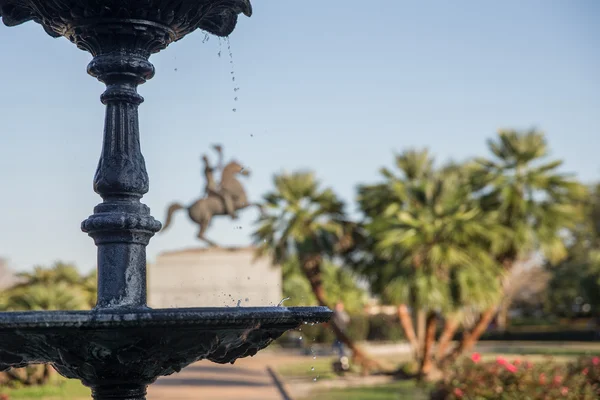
[(510, 368), (585, 371), (517, 362), (558, 379), (458, 393), (501, 360), (476, 357), (596, 360), (564, 390), (542, 378), (529, 365)]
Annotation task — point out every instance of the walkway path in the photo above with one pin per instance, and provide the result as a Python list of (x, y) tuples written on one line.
[(248, 379)]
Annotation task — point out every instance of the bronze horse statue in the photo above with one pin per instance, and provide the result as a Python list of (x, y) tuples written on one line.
[(203, 210)]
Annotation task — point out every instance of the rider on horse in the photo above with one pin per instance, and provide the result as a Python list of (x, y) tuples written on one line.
[(211, 188)]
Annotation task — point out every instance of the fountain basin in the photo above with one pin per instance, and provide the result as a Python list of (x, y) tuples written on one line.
[(119, 346)]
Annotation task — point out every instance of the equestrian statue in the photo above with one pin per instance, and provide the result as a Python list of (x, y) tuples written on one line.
[(224, 199)]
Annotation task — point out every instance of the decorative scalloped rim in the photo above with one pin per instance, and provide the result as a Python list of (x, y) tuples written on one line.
[(228, 16)]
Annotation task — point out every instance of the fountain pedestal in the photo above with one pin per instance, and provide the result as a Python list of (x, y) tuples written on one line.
[(122, 345)]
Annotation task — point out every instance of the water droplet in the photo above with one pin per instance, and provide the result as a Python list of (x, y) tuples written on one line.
[(235, 99), (300, 338), (234, 110), (206, 38), (251, 135), (314, 379), (282, 301), (175, 70), (312, 368), (233, 79)]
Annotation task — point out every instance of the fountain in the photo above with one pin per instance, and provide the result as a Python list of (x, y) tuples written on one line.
[(121, 346)]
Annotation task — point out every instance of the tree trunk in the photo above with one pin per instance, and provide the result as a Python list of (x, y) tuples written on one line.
[(429, 341), (421, 322), (312, 272), (408, 328), (450, 327), (502, 318), (470, 338)]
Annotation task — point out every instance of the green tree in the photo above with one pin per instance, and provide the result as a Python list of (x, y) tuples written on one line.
[(533, 200), (339, 283), (59, 287), (578, 276), (432, 245), (307, 223)]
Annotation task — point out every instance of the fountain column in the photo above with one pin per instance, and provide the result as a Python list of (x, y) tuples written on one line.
[(121, 225)]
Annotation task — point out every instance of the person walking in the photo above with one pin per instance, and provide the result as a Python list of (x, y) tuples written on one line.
[(341, 319)]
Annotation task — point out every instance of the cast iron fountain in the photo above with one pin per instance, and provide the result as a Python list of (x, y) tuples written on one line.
[(121, 346)]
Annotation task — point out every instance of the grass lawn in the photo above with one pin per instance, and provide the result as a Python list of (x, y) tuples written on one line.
[(393, 391), (59, 389), (321, 367)]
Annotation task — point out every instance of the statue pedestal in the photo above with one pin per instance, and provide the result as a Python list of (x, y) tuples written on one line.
[(213, 277)]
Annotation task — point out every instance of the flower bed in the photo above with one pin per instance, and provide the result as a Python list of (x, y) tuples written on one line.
[(507, 380)]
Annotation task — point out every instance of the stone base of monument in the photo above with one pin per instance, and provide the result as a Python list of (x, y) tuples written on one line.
[(213, 277)]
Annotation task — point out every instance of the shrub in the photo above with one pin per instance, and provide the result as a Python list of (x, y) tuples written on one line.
[(542, 334), (508, 380), (409, 369), (361, 327), (384, 328), (358, 328)]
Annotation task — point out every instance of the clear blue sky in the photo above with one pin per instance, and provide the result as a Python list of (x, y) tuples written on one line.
[(335, 86)]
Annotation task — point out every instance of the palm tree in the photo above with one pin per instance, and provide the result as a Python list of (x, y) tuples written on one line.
[(306, 222), (89, 284), (339, 283), (59, 287), (431, 243), (58, 272), (533, 201)]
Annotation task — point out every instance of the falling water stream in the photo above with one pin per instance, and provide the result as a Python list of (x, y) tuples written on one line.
[(233, 78)]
